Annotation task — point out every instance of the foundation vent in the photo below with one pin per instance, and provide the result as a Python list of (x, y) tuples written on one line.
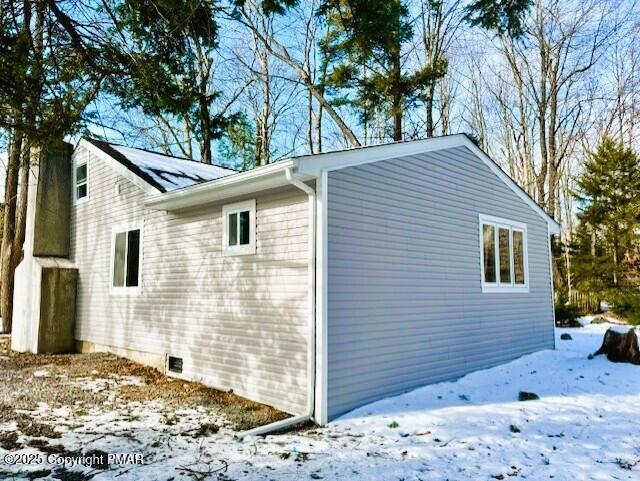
[(175, 364)]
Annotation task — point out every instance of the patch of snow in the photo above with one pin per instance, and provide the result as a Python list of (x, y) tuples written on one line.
[(103, 384), (41, 374), (171, 172), (620, 328), (583, 427), (585, 320)]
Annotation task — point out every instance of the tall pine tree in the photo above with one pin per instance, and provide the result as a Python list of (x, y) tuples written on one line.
[(166, 49), (365, 42), (608, 236)]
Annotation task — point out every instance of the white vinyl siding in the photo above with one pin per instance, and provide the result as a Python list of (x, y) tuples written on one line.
[(405, 301), (237, 322)]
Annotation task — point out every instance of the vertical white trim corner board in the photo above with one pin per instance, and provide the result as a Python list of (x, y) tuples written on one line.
[(312, 316), (236, 208), (120, 228), (322, 283)]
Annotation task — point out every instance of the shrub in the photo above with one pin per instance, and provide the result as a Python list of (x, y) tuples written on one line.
[(567, 315), (626, 303)]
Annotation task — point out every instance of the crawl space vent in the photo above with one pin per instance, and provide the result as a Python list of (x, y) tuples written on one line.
[(175, 364)]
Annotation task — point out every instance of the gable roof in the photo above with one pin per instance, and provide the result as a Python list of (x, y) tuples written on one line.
[(310, 167), (313, 164), (164, 173)]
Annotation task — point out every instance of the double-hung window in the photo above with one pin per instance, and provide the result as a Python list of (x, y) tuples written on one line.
[(80, 178), (126, 259), (239, 229), (503, 255)]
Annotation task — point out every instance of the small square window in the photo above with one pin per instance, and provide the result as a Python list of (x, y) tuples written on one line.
[(239, 236)]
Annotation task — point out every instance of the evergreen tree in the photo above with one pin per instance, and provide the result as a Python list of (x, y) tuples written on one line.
[(238, 146), (44, 91), (166, 48), (506, 17), (364, 42), (608, 236)]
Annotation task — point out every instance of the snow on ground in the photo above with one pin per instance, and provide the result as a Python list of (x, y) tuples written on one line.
[(584, 427)]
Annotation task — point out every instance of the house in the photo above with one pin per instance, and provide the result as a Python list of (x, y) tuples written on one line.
[(315, 284)]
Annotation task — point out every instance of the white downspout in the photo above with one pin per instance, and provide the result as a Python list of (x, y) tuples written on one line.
[(311, 349)]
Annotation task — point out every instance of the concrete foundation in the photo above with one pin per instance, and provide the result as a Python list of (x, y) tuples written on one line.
[(156, 361), (44, 298)]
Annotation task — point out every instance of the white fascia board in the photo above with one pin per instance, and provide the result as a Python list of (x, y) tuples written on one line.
[(117, 166), (314, 164), (235, 185), (554, 226)]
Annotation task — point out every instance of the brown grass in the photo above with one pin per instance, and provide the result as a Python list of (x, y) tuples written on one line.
[(22, 391)]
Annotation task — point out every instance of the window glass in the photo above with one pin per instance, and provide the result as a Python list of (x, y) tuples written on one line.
[(244, 227), (505, 256), (133, 257), (488, 237), (239, 229), (81, 181), (81, 173), (81, 191), (518, 256), (233, 229), (119, 259)]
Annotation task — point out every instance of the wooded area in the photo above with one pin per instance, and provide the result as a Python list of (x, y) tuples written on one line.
[(548, 88)]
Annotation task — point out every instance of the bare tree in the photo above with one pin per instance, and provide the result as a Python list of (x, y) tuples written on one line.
[(278, 49), (547, 80), (440, 24)]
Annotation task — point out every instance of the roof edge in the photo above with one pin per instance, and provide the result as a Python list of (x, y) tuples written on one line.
[(314, 164), (311, 167), (120, 167), (243, 183), (122, 159)]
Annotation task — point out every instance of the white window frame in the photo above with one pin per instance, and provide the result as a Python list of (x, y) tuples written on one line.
[(118, 229), (236, 208), (75, 166), (500, 223)]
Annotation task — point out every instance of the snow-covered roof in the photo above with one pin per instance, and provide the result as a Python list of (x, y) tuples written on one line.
[(164, 172)]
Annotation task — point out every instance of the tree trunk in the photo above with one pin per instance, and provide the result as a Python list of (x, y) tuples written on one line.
[(21, 205), (280, 52), (8, 239), (310, 122), (205, 128), (620, 347), (397, 100), (429, 108)]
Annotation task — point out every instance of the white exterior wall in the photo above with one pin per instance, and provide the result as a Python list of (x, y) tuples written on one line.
[(238, 322)]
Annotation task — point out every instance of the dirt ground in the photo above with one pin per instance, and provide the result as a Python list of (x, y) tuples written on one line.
[(82, 382), (55, 410)]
